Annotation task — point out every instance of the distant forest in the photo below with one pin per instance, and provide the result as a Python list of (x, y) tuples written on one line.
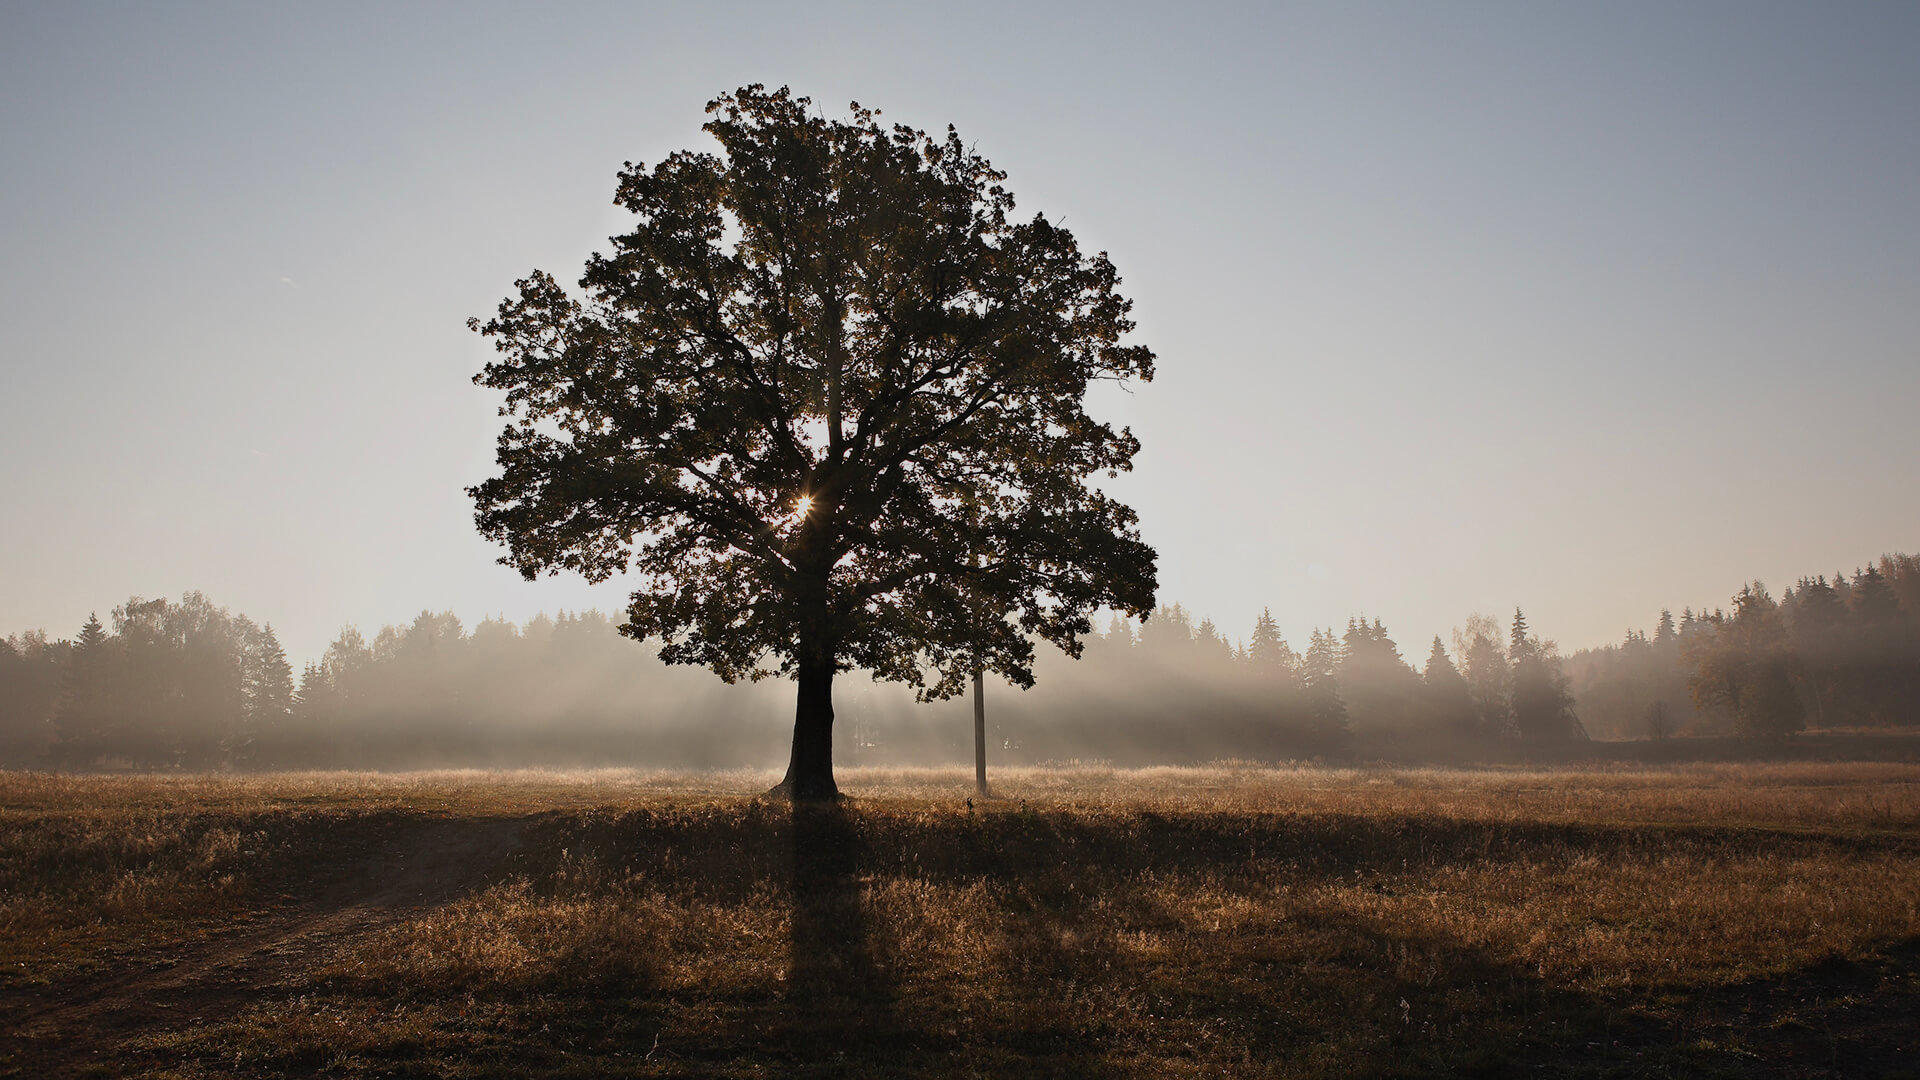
[(190, 685)]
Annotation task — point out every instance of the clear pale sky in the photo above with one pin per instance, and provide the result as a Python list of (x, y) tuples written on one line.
[(1585, 308)]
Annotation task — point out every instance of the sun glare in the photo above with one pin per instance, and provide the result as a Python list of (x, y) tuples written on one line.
[(801, 505)]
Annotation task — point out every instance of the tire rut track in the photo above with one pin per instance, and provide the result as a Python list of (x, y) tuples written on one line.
[(82, 1022)]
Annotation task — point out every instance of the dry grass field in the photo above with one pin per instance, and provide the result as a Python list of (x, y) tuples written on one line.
[(1741, 920)]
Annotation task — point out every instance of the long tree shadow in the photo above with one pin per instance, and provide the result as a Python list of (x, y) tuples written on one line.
[(1837, 1016), (832, 953), (1091, 916), (840, 995), (1072, 944), (1314, 847)]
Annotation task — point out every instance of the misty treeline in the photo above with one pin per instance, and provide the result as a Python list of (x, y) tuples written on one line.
[(187, 684), (1834, 653), (190, 685), (1173, 690)]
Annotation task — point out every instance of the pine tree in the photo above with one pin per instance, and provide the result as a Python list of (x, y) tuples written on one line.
[(82, 721), (33, 673), (1743, 667), (1883, 651), (1323, 656), (1903, 575), (1449, 702), (1268, 652), (1518, 643), (1168, 635), (1379, 687), (1871, 598), (1541, 703), (313, 702), (92, 635), (1664, 635), (1483, 662), (268, 685), (1326, 709), (1540, 699), (1214, 647), (1818, 633)]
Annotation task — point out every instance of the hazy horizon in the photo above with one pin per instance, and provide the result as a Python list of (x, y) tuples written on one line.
[(1590, 311)]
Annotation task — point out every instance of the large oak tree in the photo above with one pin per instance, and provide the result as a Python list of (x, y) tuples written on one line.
[(825, 402)]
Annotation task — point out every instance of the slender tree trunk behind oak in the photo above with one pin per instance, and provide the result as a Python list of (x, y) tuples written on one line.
[(810, 769), (979, 733)]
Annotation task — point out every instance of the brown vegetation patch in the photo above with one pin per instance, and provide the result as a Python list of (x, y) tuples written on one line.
[(1754, 920)]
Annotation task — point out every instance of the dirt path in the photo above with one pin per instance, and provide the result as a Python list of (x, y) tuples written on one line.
[(74, 1027)]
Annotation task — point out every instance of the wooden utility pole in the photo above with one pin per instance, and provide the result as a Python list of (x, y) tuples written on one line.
[(979, 732)]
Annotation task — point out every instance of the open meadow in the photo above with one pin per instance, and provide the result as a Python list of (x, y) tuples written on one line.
[(1731, 919)]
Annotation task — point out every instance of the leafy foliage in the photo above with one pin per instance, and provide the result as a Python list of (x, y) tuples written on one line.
[(825, 401)]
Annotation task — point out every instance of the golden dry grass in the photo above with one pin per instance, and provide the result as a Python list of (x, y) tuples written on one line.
[(1223, 921)]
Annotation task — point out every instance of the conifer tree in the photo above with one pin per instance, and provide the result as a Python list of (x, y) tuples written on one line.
[(269, 694), (1743, 667), (1541, 703), (82, 721), (1842, 588), (1883, 652), (310, 702), (1449, 703), (1215, 651), (33, 676), (1379, 687), (1518, 643), (1902, 573), (1326, 708), (1483, 662), (1664, 634), (1818, 633), (1268, 652), (1168, 634)]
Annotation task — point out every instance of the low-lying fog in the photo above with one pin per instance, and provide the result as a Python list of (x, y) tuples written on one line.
[(188, 684)]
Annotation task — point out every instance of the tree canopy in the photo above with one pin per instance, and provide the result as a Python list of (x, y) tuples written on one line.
[(825, 402)]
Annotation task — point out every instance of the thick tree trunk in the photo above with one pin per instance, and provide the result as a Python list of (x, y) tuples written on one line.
[(979, 733), (810, 769)]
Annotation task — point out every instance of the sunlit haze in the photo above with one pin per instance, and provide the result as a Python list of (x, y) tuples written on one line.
[(1592, 310)]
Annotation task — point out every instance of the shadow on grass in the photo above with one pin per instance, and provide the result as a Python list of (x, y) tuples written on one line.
[(1313, 848), (1085, 961), (927, 942), (833, 977), (1836, 1017), (845, 1013)]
